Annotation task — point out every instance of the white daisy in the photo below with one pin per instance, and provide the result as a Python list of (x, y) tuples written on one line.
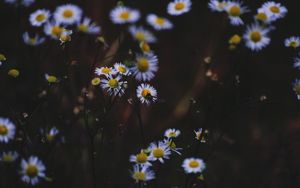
[(121, 69), (275, 10), (142, 173), (263, 16), (146, 93), (9, 156), (114, 85), (141, 158), (159, 151), (53, 29), (159, 23), (234, 11), (67, 14), (27, 3), (7, 130), (172, 133), (53, 132), (172, 146), (145, 47), (106, 71), (141, 34), (33, 41), (122, 15), (293, 42), (256, 37), (87, 26), (39, 17), (217, 6), (65, 36), (145, 67), (178, 7), (32, 170), (193, 165)]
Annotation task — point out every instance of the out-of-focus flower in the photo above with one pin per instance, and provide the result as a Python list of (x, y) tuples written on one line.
[(52, 134), (141, 158), (9, 156), (32, 170), (146, 93), (172, 133), (159, 23), (53, 29), (141, 34), (123, 14), (256, 37), (25, 3), (7, 130), (142, 173), (201, 135), (263, 16), (159, 151), (193, 165), (39, 17), (178, 7), (14, 73), (87, 26), (51, 78), (296, 63), (33, 41), (275, 10), (2, 58), (67, 14), (145, 67), (234, 11), (293, 42), (96, 81), (65, 36), (217, 6), (235, 39), (114, 85), (106, 71), (296, 88), (145, 47), (121, 69)]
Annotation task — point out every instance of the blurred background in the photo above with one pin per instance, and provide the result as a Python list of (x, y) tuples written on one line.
[(247, 105)]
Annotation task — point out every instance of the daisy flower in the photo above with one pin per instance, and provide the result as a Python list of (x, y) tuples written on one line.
[(256, 37), (217, 6), (172, 146), (159, 23), (141, 34), (275, 10), (7, 130), (159, 151), (193, 165), (53, 29), (106, 71), (9, 156), (114, 85), (296, 63), (172, 133), (145, 67), (52, 134), (146, 93), (121, 69), (234, 11), (263, 16), (32, 170), (2, 58), (67, 14), (141, 158), (122, 15), (51, 78), (178, 7), (33, 41), (200, 135), (142, 173), (27, 3), (39, 17), (293, 42), (87, 26), (65, 36), (145, 47)]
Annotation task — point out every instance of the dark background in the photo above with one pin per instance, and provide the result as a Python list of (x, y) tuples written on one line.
[(252, 142)]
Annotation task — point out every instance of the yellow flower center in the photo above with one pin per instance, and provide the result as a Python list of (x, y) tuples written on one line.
[(235, 39), (56, 30), (141, 176), (194, 164), (146, 93), (68, 13), (3, 130), (293, 44), (121, 69), (83, 28), (31, 171), (40, 17), (106, 70), (95, 81), (140, 36), (172, 134), (145, 47), (141, 157), (297, 89), (113, 83), (275, 9), (179, 6), (14, 73), (261, 16), (125, 15), (255, 36), (235, 11), (158, 153), (142, 64), (7, 158), (50, 137), (160, 21), (51, 79), (2, 57)]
